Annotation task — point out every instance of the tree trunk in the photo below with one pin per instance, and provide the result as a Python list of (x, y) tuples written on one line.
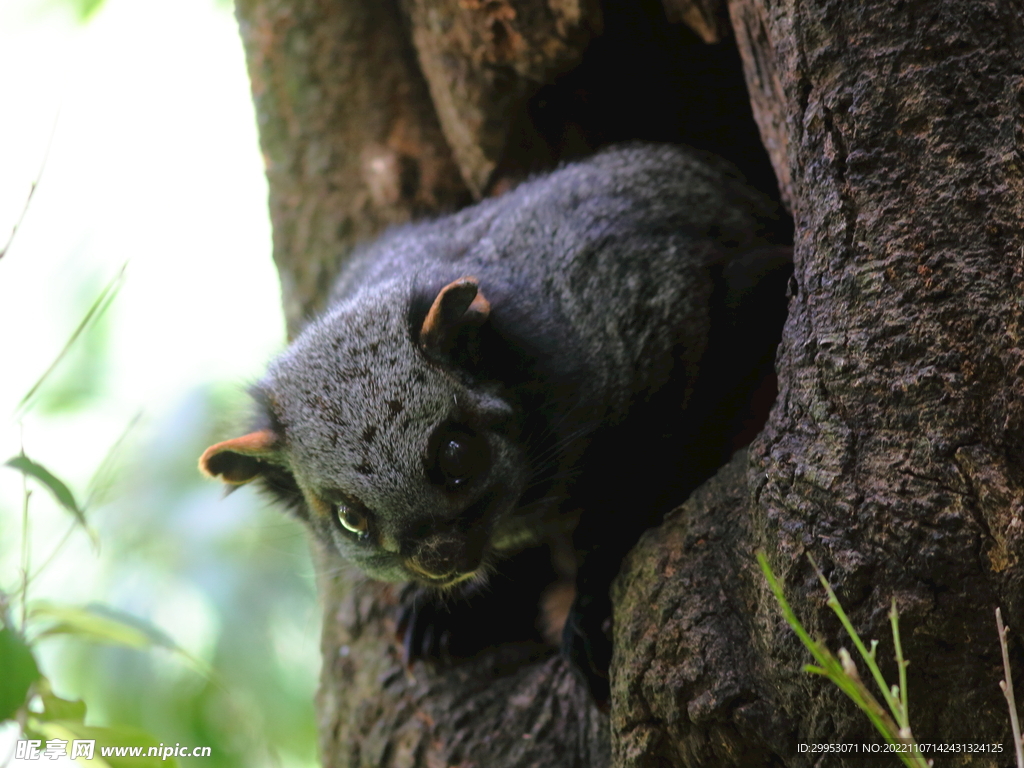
[(894, 454), (895, 451)]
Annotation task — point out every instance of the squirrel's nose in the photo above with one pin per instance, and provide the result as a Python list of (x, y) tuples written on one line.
[(445, 557)]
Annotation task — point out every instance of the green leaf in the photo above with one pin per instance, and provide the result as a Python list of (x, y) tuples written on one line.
[(117, 736), (101, 625), (19, 671), (60, 491), (56, 708)]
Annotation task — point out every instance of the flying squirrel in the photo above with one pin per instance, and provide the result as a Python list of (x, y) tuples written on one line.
[(512, 394)]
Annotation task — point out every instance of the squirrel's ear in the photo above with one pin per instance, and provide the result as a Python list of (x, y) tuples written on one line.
[(239, 460), (458, 305)]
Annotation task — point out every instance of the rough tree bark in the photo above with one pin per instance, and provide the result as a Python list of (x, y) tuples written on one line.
[(350, 140), (895, 452)]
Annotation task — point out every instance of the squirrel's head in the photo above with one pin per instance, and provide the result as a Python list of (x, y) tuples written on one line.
[(392, 450)]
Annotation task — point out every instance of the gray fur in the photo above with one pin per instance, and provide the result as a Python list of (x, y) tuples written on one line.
[(599, 271), (359, 403)]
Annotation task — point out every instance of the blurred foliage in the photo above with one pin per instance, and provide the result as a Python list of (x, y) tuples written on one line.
[(206, 632), (83, 9), (20, 671), (60, 491), (79, 380), (248, 580), (137, 604)]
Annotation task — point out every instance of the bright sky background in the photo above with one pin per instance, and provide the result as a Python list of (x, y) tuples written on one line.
[(154, 161)]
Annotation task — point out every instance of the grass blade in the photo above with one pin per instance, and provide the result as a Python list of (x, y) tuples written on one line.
[(99, 306), (1007, 687), (843, 672)]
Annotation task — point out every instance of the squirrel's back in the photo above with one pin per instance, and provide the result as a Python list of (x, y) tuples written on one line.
[(604, 260)]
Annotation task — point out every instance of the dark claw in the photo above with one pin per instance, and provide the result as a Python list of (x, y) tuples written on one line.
[(411, 629), (404, 631), (405, 613), (419, 627), (444, 647), (428, 648), (442, 628)]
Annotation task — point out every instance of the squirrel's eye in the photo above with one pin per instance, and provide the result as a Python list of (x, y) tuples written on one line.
[(460, 458), (354, 521)]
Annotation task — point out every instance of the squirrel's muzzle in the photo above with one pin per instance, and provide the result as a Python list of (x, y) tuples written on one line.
[(445, 558)]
